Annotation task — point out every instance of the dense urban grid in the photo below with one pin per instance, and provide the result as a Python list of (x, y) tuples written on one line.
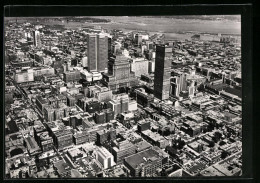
[(91, 102)]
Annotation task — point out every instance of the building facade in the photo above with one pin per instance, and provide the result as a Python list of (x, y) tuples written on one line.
[(105, 157), (119, 74), (36, 38), (162, 72), (97, 52)]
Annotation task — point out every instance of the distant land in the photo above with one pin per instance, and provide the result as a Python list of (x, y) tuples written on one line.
[(213, 24), (74, 19), (100, 19), (203, 17)]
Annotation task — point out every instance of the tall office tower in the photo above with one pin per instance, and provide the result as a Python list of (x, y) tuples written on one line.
[(183, 82), (175, 86), (122, 149), (119, 74), (162, 72), (27, 35), (71, 76), (124, 102), (191, 88), (84, 61), (109, 42), (122, 71), (36, 38), (119, 104), (102, 53), (139, 66), (138, 39), (104, 157), (97, 52), (149, 45)]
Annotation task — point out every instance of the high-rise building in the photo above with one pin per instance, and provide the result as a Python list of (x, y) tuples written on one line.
[(119, 74), (103, 94), (104, 116), (138, 39), (183, 82), (105, 157), (145, 163), (71, 76), (179, 83), (175, 86), (97, 52), (149, 45), (92, 52), (80, 137), (122, 149), (93, 106), (191, 88), (109, 41), (143, 125), (143, 48), (48, 113), (162, 72), (24, 76), (105, 135), (84, 62), (119, 104), (151, 66), (116, 48), (36, 38), (62, 138), (27, 35), (100, 117), (143, 98), (139, 66), (45, 141)]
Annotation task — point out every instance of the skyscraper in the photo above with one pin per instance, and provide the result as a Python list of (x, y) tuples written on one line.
[(104, 157), (120, 103), (109, 42), (119, 74), (183, 82), (138, 39), (36, 38), (191, 88), (162, 72), (175, 86), (102, 52), (97, 52)]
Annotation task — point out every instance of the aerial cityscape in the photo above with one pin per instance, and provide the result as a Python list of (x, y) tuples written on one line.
[(100, 97)]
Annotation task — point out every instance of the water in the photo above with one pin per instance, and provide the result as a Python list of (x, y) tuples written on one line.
[(169, 26), (173, 25)]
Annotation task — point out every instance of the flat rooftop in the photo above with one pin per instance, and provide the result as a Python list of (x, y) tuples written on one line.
[(143, 157)]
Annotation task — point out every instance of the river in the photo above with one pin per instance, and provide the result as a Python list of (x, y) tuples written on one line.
[(169, 26)]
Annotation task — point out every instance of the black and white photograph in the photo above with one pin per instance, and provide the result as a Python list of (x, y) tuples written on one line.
[(123, 96)]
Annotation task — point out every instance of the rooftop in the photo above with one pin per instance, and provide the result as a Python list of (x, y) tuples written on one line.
[(144, 157)]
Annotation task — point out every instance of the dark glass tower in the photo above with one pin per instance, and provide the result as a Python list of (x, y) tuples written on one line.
[(162, 72)]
